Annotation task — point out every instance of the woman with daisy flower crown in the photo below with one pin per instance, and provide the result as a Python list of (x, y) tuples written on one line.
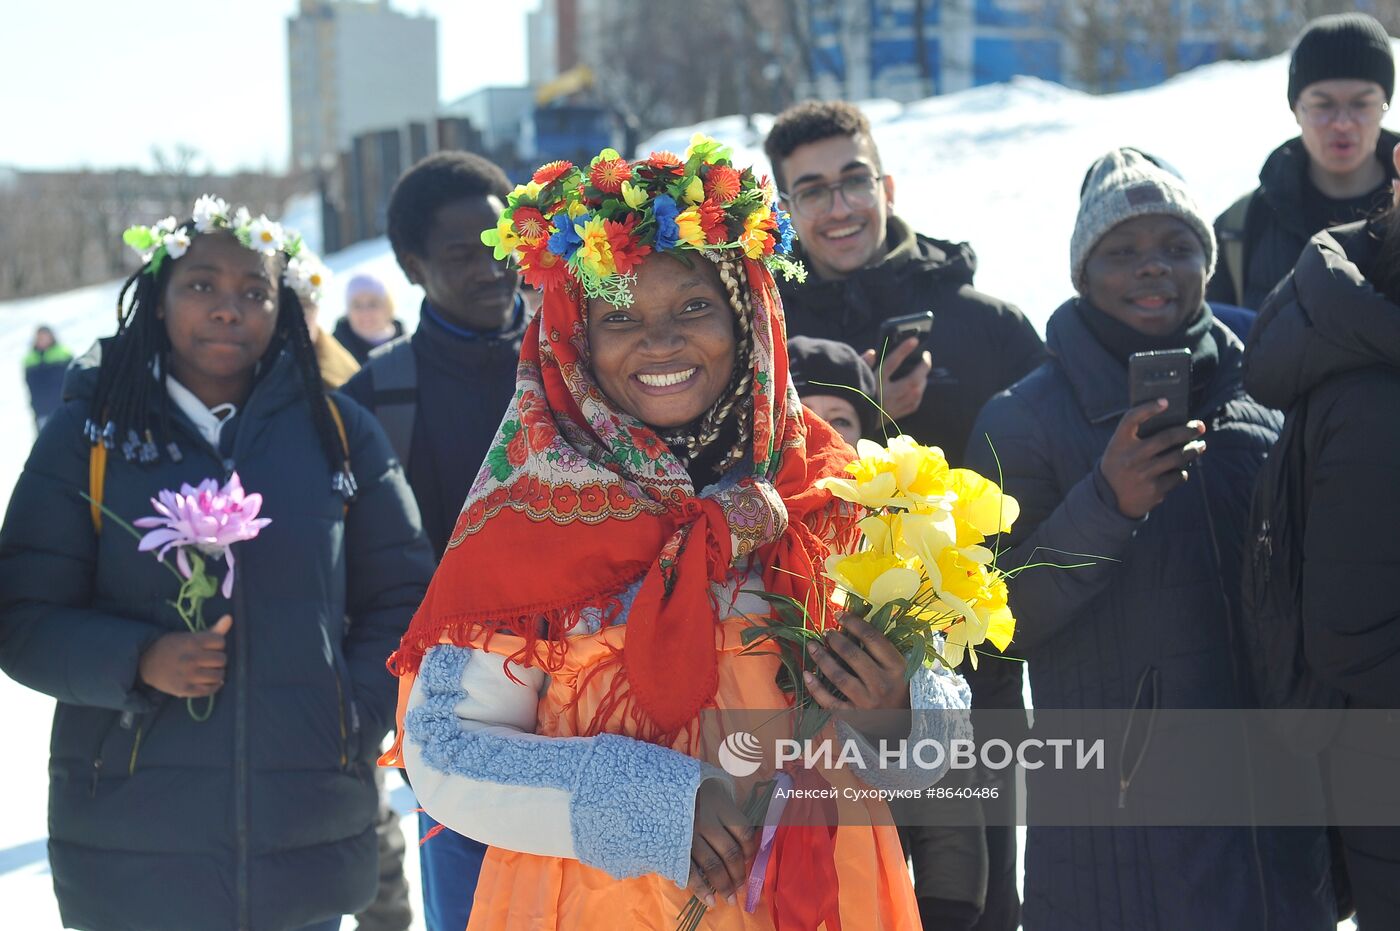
[(654, 469), (214, 777)]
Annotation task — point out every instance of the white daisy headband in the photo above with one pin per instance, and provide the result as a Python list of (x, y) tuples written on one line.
[(169, 239)]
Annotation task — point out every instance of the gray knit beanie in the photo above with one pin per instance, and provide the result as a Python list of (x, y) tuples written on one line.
[(1124, 184)]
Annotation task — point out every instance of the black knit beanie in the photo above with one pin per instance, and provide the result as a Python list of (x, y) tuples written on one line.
[(817, 364), (1344, 45)]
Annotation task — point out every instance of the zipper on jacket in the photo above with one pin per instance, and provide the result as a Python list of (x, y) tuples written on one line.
[(240, 743), (1126, 774), (340, 706), (127, 718), (97, 756)]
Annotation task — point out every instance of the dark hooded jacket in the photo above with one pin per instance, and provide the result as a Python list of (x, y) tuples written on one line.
[(1144, 626), (358, 347), (464, 384), (1275, 226), (262, 817), (979, 344), (1330, 341)]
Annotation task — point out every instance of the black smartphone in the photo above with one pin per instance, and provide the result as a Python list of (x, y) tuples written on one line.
[(895, 331), (1165, 373)]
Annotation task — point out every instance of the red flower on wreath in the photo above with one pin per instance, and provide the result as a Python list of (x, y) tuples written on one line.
[(627, 251), (543, 269), (722, 184), (547, 174), (530, 224), (666, 161), (608, 174), (712, 222)]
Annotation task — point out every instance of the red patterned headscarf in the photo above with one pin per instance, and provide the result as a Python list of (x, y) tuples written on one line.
[(577, 501)]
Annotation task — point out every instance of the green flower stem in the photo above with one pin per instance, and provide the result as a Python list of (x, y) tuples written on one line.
[(189, 601)]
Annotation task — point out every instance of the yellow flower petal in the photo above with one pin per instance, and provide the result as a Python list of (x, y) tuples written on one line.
[(892, 585)]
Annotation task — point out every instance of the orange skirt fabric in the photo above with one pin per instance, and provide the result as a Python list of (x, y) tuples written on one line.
[(523, 892)]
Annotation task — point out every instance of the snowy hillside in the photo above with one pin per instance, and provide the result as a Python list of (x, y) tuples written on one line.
[(997, 166)]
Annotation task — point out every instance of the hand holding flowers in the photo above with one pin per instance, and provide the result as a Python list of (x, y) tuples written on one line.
[(197, 522)]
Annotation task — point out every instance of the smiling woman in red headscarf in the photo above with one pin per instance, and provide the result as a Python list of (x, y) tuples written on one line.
[(653, 469)]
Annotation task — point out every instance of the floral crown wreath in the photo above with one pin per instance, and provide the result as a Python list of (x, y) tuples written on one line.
[(592, 227), (168, 239)]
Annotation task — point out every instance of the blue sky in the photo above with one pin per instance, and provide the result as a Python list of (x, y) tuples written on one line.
[(97, 83)]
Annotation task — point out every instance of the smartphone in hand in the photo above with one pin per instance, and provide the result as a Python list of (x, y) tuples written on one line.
[(895, 331), (1165, 373)]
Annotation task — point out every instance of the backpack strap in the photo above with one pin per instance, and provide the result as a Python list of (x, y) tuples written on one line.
[(1230, 232), (395, 377), (344, 440), (97, 478)]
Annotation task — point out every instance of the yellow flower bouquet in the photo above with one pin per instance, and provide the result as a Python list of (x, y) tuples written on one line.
[(922, 564)]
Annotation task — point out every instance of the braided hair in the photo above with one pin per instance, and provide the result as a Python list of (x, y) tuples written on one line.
[(731, 415), (131, 408)]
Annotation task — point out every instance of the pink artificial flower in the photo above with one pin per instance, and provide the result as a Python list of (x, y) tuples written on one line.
[(206, 517)]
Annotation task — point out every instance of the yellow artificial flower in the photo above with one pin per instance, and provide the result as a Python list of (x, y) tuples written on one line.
[(503, 239), (595, 254), (700, 140), (981, 507), (876, 578), (874, 492), (927, 537), (633, 195), (689, 229), (576, 209), (918, 479), (695, 191)]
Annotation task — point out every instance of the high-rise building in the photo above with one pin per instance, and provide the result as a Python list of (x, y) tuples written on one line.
[(355, 66)]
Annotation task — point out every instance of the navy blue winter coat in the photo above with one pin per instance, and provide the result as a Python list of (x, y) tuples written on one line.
[(262, 817), (1145, 626)]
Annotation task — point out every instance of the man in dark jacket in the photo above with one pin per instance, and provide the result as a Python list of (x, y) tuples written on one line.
[(865, 265), (440, 395), (44, 366), (1340, 81), (1146, 623), (1327, 348)]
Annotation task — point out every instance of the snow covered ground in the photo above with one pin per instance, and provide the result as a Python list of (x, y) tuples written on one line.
[(998, 166)]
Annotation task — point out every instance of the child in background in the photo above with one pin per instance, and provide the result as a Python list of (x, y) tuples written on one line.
[(837, 385)]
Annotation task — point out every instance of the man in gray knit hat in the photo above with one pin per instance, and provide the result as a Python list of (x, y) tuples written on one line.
[(1340, 80), (1140, 628)]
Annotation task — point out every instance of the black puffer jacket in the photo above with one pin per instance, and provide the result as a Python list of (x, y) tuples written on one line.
[(1145, 626), (262, 817), (1275, 226), (1328, 339), (979, 344), (357, 346)]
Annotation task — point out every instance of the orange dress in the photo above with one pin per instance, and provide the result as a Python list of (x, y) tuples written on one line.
[(524, 892)]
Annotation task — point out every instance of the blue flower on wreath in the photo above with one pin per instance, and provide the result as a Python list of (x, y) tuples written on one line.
[(566, 241), (786, 234), (667, 232)]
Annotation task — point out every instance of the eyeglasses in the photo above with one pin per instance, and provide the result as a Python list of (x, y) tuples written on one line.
[(1324, 114), (858, 191)]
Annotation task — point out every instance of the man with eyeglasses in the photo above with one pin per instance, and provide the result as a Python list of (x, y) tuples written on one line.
[(1340, 80), (865, 265)]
